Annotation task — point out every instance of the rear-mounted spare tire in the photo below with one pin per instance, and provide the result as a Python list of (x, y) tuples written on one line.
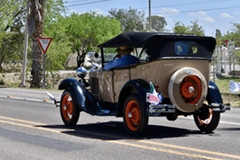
[(187, 89)]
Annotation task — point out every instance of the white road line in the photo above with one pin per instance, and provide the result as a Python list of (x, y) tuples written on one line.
[(232, 123), (224, 122), (37, 100), (28, 99)]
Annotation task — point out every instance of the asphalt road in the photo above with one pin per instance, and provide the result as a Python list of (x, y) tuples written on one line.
[(31, 128)]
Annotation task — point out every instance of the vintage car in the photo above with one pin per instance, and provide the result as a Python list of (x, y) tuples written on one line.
[(171, 78)]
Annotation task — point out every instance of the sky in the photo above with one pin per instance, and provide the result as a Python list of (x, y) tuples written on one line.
[(210, 14)]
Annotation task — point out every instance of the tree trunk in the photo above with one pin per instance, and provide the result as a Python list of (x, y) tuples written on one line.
[(37, 55), (80, 58)]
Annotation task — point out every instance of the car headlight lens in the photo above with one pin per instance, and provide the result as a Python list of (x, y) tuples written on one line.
[(81, 72)]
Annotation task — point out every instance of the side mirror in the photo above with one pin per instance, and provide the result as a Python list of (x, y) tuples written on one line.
[(96, 55)]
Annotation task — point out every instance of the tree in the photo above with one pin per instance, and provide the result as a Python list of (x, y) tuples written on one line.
[(218, 33), (180, 28), (60, 48), (157, 23), (130, 19), (232, 36), (36, 29), (12, 13), (36, 22), (86, 31), (11, 38), (191, 29), (196, 29), (235, 34), (218, 36), (10, 47)]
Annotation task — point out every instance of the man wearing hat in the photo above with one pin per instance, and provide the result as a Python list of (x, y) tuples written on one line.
[(125, 58)]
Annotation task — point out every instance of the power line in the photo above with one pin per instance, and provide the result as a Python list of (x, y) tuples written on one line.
[(81, 4), (209, 9), (75, 1), (180, 4), (189, 4)]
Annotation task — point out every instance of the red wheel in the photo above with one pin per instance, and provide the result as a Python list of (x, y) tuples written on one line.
[(69, 112), (207, 120), (134, 116), (191, 89)]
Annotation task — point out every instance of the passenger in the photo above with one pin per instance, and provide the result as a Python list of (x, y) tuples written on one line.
[(124, 58)]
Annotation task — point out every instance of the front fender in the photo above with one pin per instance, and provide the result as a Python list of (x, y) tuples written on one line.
[(214, 95), (80, 95), (138, 86)]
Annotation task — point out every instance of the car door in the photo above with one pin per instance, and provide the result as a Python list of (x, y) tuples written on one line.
[(120, 77), (106, 86)]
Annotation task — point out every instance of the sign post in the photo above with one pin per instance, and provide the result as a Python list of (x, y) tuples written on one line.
[(44, 44)]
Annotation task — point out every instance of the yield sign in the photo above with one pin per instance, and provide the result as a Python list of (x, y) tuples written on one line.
[(44, 43)]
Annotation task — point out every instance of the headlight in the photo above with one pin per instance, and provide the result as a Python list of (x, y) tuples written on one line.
[(81, 72)]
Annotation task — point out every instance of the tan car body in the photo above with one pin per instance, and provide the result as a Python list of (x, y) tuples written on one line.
[(158, 72)]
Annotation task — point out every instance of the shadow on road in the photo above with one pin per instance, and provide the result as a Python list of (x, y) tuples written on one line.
[(115, 130), (229, 129)]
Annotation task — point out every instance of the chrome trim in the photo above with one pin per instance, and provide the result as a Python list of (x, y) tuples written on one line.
[(161, 108), (220, 107)]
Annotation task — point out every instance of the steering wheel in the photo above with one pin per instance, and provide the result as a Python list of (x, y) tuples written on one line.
[(117, 56)]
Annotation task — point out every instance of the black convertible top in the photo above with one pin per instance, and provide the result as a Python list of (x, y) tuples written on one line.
[(134, 39), (158, 45), (138, 39)]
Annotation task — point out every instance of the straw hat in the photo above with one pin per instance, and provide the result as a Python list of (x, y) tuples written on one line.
[(124, 49)]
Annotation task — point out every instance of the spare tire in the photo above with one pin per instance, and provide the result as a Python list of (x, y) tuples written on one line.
[(187, 89)]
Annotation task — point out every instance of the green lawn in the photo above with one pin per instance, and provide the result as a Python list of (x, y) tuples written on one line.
[(223, 85)]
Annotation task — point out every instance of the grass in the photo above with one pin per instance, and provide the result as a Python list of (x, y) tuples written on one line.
[(223, 85)]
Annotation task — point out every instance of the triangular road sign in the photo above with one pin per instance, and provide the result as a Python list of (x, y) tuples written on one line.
[(44, 43)]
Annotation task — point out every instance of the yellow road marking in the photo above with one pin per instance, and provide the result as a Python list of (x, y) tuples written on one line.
[(42, 124), (191, 149), (19, 120), (29, 124), (164, 150)]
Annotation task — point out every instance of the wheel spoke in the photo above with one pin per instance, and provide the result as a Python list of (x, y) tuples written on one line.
[(206, 121), (132, 115), (67, 108)]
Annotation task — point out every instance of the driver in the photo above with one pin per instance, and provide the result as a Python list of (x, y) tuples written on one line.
[(124, 58)]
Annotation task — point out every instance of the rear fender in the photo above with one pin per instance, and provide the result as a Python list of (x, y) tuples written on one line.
[(80, 94), (138, 86), (214, 95)]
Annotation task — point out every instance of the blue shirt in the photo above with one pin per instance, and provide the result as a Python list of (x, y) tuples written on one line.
[(125, 60)]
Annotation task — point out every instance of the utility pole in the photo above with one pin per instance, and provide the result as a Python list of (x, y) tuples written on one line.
[(25, 48), (150, 22)]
